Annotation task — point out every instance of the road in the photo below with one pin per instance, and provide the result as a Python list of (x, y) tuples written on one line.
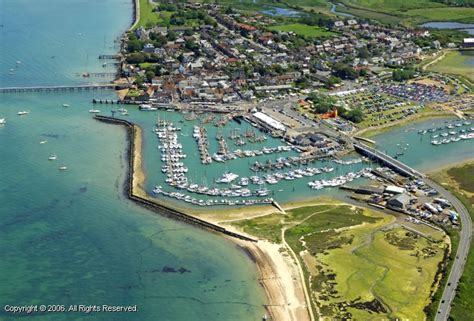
[(455, 274)]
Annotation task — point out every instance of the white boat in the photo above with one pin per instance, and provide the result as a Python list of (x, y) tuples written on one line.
[(227, 177), (53, 157), (94, 111), (62, 168), (24, 112), (2, 121), (43, 142), (147, 107), (65, 105)]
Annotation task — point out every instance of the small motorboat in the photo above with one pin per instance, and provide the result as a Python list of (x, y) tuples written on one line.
[(66, 105), (24, 112), (94, 111), (53, 157), (2, 121), (63, 168)]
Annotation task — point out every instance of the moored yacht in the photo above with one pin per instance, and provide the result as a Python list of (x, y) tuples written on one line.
[(147, 107), (227, 177)]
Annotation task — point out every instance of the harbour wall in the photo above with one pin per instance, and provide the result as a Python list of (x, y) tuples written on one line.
[(159, 208)]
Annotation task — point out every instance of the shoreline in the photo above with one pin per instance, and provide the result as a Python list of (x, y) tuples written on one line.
[(279, 275), (136, 16)]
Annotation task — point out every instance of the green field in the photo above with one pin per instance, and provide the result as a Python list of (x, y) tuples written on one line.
[(354, 268), (303, 30), (443, 14), (456, 63), (408, 12), (464, 177), (149, 18)]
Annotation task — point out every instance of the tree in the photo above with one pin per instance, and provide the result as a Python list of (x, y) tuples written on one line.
[(403, 74), (321, 103), (136, 58), (135, 45), (345, 71), (355, 115), (191, 45), (139, 80), (149, 75), (172, 35), (364, 53)]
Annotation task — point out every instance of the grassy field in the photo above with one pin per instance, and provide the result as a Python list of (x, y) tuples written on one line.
[(355, 268), (365, 273), (442, 14), (459, 181), (395, 5), (147, 15), (464, 177), (303, 30), (150, 18), (456, 63), (409, 12)]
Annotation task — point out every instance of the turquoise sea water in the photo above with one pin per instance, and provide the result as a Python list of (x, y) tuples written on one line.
[(420, 153), (71, 237)]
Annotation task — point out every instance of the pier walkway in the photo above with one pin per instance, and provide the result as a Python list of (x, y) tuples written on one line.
[(387, 160), (55, 88)]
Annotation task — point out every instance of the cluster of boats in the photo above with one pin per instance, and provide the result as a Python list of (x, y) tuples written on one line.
[(249, 135), (281, 162), (450, 126), (222, 157), (262, 151), (446, 139), (171, 154), (200, 134), (341, 180), (210, 202)]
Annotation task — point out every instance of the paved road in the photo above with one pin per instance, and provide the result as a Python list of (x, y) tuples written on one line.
[(455, 274)]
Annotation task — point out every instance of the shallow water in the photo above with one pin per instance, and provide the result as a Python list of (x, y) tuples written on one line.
[(468, 27), (420, 153)]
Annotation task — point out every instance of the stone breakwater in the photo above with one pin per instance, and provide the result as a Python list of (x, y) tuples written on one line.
[(154, 206)]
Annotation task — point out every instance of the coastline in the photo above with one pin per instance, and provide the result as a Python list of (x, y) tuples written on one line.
[(279, 273), (136, 9)]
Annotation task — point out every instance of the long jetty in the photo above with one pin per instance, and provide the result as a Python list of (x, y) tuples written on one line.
[(385, 159), (56, 88), (159, 208)]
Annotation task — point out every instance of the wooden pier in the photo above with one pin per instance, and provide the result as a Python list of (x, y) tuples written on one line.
[(56, 88), (115, 57)]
